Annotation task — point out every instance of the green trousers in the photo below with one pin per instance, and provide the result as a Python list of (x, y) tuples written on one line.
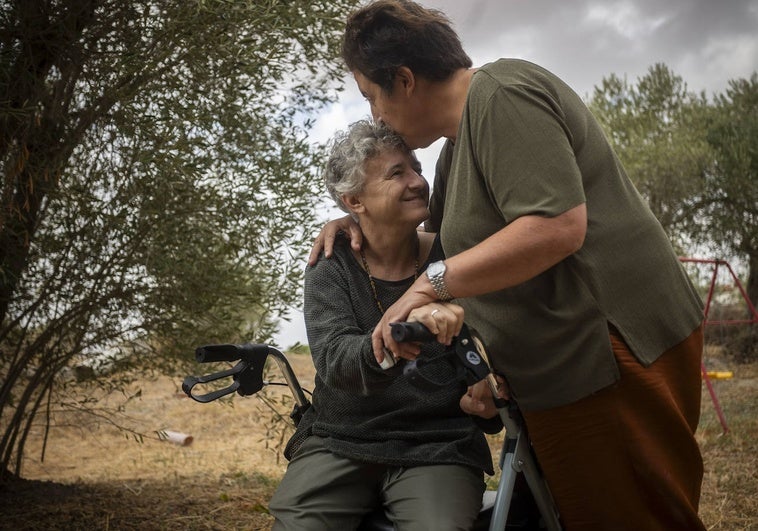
[(322, 491)]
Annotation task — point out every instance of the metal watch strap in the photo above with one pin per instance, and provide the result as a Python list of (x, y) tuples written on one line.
[(437, 279)]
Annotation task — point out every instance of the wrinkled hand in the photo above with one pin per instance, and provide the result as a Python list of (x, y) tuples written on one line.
[(443, 319), (478, 399), (325, 239), (419, 294)]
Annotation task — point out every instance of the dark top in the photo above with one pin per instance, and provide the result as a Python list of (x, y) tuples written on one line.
[(364, 412)]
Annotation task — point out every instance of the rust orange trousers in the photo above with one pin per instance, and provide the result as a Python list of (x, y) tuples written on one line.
[(626, 458)]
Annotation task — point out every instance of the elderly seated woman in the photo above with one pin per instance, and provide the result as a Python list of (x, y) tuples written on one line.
[(372, 438)]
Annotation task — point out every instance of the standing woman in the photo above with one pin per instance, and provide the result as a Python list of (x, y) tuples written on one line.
[(559, 264), (372, 438)]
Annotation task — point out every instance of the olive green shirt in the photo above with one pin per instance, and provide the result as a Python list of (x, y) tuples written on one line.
[(527, 145)]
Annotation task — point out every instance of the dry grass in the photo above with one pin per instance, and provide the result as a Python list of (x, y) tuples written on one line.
[(730, 486), (96, 478)]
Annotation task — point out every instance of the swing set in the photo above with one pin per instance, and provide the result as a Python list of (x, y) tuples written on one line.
[(715, 264)]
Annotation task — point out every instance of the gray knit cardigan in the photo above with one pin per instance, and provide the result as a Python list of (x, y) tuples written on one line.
[(366, 413)]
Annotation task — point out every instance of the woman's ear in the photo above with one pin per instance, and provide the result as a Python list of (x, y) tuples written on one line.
[(405, 80), (353, 203)]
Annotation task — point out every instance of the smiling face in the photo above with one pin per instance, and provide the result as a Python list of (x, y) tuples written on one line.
[(394, 192), (403, 109)]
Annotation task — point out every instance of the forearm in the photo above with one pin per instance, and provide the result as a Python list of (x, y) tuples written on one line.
[(339, 344), (345, 361), (520, 251)]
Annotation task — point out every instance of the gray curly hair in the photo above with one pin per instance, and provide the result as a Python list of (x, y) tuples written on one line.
[(351, 149)]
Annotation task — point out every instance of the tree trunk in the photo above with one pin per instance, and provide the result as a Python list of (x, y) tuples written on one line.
[(752, 281), (30, 140)]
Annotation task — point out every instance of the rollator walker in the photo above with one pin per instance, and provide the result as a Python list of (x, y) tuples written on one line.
[(522, 500)]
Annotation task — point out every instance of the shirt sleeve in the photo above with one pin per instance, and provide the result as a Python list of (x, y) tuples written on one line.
[(341, 350), (525, 153)]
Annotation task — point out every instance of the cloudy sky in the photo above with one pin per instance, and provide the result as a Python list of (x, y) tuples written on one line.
[(706, 42)]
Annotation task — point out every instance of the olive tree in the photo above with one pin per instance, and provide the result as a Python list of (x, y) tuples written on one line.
[(731, 199), (730, 204), (158, 182), (694, 160), (658, 128)]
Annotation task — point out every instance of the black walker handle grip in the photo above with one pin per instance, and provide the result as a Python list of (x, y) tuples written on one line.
[(411, 331), (229, 352), (465, 349)]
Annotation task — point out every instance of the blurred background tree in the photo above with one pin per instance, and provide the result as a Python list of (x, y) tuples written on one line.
[(696, 162), (730, 200), (158, 185), (729, 208), (658, 129)]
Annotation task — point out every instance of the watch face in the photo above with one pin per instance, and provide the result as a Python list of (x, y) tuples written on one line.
[(436, 268)]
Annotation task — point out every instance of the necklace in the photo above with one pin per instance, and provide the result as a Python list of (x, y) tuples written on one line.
[(371, 279)]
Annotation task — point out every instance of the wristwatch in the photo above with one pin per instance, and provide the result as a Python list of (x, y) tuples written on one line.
[(436, 274)]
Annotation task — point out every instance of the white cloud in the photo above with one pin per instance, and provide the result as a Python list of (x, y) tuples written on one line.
[(351, 107), (625, 18), (724, 59)]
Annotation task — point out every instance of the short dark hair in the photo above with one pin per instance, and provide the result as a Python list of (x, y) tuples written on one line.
[(384, 35)]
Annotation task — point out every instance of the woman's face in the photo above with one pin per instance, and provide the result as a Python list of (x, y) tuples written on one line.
[(402, 110), (394, 192)]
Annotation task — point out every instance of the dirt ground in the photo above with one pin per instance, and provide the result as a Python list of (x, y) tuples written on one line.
[(95, 477)]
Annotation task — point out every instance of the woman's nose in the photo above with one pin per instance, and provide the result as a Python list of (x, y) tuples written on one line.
[(418, 182)]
